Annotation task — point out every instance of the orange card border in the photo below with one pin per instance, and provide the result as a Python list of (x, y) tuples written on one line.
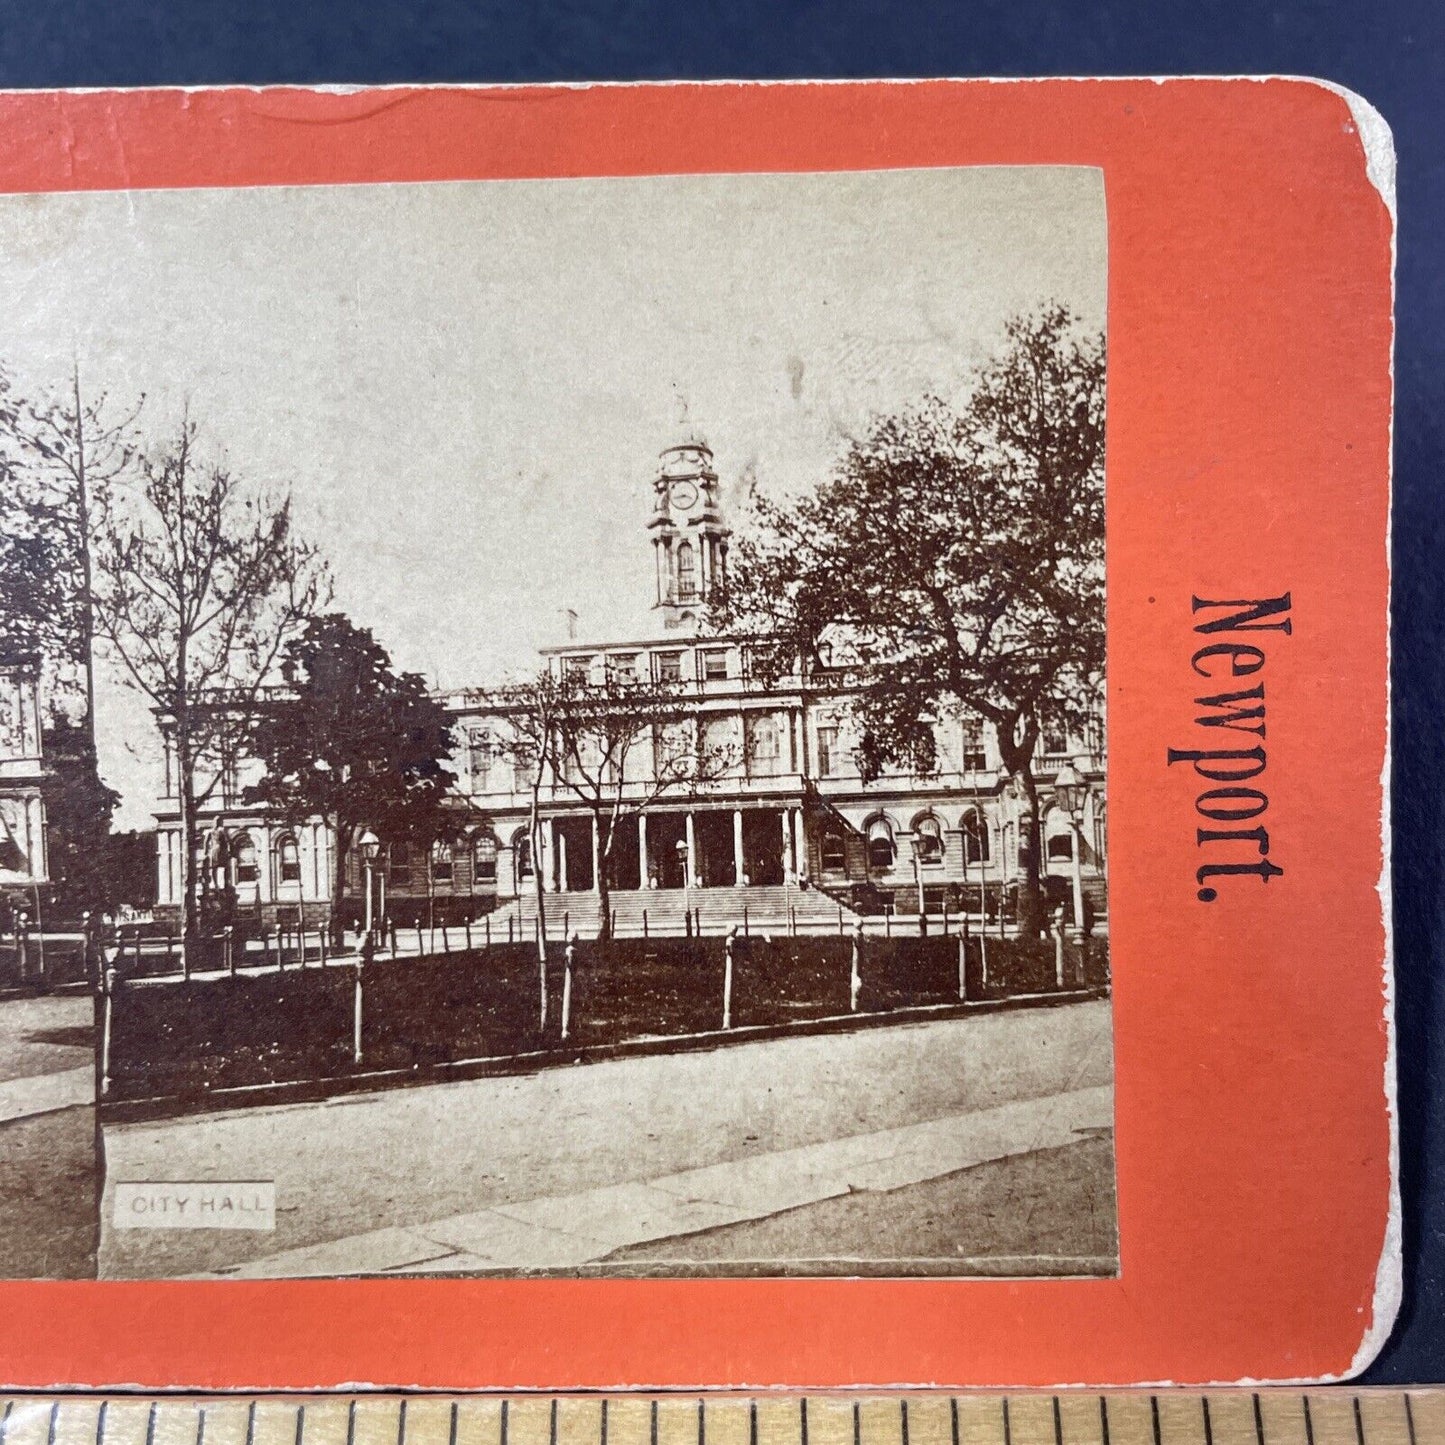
[(1250, 333)]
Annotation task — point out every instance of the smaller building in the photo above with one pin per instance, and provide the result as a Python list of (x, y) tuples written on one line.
[(24, 860)]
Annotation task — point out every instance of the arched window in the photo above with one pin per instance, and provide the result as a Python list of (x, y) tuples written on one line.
[(521, 854), (881, 849), (484, 858), (243, 850), (441, 863), (928, 833), (833, 852), (288, 859), (686, 572), (764, 751), (975, 837)]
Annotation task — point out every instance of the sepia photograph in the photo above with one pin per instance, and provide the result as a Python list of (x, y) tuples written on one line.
[(556, 727)]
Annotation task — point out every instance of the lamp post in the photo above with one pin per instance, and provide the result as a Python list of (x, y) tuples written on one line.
[(370, 846), (1069, 791), (682, 859), (916, 846)]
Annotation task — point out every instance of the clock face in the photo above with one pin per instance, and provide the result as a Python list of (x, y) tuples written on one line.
[(684, 495)]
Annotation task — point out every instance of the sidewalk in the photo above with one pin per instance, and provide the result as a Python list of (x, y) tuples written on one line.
[(566, 1231)]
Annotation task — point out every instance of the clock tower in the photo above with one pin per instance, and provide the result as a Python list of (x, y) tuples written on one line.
[(689, 536)]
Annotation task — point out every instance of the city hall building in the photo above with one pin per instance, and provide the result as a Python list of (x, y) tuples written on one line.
[(790, 830)]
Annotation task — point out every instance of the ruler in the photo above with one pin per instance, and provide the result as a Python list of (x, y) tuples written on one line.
[(1327, 1416)]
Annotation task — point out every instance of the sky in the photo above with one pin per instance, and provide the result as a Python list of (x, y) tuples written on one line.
[(466, 385)]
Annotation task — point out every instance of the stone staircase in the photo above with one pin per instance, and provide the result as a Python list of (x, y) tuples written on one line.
[(662, 912)]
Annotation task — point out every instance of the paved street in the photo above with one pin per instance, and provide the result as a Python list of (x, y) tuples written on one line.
[(48, 1175), (582, 1167)]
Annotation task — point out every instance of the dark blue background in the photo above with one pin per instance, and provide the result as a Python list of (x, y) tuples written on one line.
[(1391, 53)]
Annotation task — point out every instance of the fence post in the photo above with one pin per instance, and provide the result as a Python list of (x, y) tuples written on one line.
[(855, 976), (446, 942), (420, 946), (110, 983), (542, 975), (489, 930), (983, 952), (888, 923), (468, 927), (567, 958), (1059, 953), (728, 977), (390, 926), (945, 915), (321, 943), (963, 962), (510, 922), (840, 920), (644, 924), (792, 920)]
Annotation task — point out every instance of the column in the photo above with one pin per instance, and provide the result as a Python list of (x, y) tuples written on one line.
[(560, 843), (643, 869), (738, 861), (691, 852), (800, 844), (785, 818), (596, 857), (549, 852)]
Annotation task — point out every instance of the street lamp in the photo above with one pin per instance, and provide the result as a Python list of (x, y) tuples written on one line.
[(916, 845), (686, 882), (1069, 792), (369, 845)]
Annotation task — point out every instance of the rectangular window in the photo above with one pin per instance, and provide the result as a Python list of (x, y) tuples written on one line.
[(829, 762), (833, 852), (975, 759), (577, 669), (669, 667), (623, 666), (713, 664), (764, 746), (400, 869)]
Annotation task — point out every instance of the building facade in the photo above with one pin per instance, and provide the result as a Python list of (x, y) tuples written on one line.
[(792, 814), (23, 845)]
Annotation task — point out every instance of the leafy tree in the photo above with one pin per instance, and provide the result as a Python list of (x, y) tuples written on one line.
[(617, 744), (199, 583), (954, 563), (355, 743)]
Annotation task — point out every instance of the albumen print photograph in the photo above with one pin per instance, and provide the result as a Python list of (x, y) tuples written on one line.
[(556, 727)]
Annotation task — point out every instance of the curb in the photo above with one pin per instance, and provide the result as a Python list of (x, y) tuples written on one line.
[(306, 1091)]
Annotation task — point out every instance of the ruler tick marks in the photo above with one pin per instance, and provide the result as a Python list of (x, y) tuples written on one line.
[(953, 1416), (803, 1422), (1309, 1422), (100, 1422), (452, 1426), (551, 1425), (1208, 1424), (400, 1424), (301, 1422), (1104, 1419), (702, 1423), (1008, 1436), (1154, 1418), (151, 1425), (1258, 1420), (753, 1422), (1359, 1423), (503, 1426), (652, 1424), (1058, 1424), (1409, 1418), (50, 1429), (201, 1426), (251, 1424), (603, 1435), (5, 1420), (902, 1419), (857, 1427)]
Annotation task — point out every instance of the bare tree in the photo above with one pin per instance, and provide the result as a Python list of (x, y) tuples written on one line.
[(617, 744), (199, 583), (953, 563)]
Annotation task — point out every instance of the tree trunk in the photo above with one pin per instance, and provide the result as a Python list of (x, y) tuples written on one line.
[(190, 878), (1032, 913), (337, 920), (534, 833), (604, 881)]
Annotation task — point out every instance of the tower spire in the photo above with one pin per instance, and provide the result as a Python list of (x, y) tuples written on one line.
[(689, 534)]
